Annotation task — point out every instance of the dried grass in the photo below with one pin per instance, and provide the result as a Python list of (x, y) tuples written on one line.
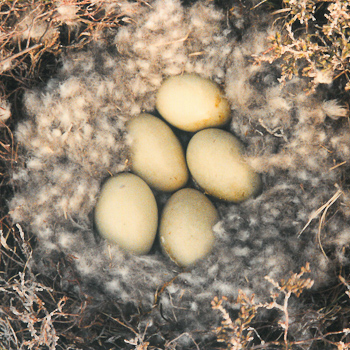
[(313, 43), (323, 209)]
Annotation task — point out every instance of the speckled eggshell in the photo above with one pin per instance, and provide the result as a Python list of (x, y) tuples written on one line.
[(126, 213), (215, 160), (192, 103), (156, 154), (186, 223)]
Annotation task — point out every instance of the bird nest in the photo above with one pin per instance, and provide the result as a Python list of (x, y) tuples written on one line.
[(63, 287)]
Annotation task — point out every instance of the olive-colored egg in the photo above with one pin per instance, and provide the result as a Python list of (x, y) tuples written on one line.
[(126, 213), (192, 103), (186, 223), (215, 160), (156, 154)]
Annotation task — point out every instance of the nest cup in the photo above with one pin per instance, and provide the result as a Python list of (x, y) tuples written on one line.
[(74, 136)]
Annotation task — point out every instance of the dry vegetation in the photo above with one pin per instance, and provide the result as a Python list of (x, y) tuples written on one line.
[(30, 30), (35, 313), (314, 42), (240, 334)]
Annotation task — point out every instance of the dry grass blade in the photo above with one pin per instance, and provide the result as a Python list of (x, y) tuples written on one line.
[(345, 283), (323, 209)]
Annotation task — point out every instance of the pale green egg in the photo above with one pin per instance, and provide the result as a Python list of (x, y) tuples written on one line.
[(215, 160), (156, 154), (126, 213), (186, 224), (191, 103)]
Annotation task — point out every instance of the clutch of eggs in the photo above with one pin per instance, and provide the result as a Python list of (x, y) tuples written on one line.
[(126, 211)]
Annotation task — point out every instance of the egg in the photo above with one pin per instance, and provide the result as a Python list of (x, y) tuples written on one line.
[(185, 230), (156, 154), (191, 103), (215, 160), (126, 213)]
